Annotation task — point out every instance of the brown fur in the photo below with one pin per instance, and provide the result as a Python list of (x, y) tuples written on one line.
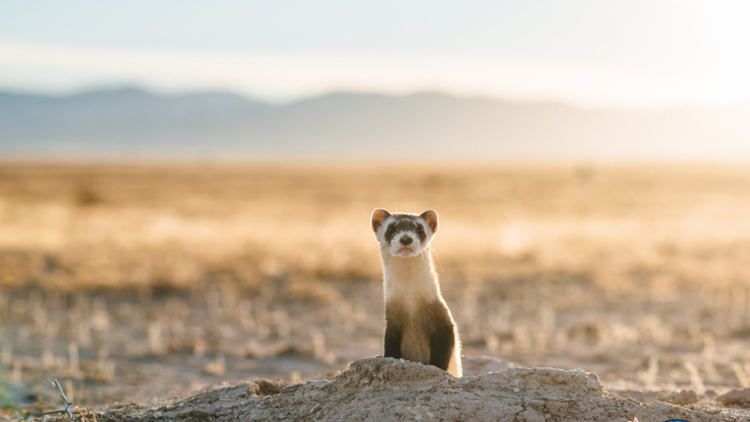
[(426, 336)]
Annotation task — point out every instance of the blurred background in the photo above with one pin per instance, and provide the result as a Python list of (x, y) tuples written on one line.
[(185, 188)]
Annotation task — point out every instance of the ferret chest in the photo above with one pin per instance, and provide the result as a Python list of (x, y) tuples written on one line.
[(415, 345), (412, 297), (415, 340)]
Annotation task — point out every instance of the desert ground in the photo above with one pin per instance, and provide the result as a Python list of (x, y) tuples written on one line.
[(143, 282)]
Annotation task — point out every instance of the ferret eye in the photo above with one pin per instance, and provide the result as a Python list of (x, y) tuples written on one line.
[(420, 230), (391, 229)]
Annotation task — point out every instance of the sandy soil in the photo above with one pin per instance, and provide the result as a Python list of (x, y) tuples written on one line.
[(379, 389)]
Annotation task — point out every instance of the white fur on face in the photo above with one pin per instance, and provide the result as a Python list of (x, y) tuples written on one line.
[(395, 247)]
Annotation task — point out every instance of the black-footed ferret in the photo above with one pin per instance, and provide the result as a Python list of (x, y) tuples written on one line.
[(418, 324)]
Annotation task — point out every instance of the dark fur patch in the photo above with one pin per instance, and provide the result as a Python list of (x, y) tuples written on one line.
[(420, 232), (404, 224), (395, 317), (439, 327), (390, 231)]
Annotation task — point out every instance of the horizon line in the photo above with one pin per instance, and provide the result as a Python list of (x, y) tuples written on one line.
[(275, 76), (177, 93)]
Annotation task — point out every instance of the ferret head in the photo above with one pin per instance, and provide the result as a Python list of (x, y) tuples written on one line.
[(404, 235)]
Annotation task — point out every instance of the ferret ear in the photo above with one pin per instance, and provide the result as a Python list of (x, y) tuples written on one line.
[(378, 216), (431, 217)]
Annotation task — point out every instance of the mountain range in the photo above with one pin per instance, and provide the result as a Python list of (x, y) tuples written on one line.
[(132, 122)]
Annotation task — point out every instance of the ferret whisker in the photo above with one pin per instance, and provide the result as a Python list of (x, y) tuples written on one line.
[(374, 250)]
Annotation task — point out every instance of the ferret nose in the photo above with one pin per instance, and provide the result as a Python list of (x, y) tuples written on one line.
[(405, 240)]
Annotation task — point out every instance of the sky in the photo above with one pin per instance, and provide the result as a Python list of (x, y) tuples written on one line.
[(641, 53)]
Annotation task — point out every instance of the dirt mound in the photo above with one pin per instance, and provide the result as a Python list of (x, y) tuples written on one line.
[(739, 398), (379, 389)]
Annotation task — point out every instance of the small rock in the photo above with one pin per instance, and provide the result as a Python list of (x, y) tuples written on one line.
[(680, 398), (740, 398), (419, 412), (592, 381)]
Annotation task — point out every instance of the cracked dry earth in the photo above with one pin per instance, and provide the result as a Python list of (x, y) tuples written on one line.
[(384, 389)]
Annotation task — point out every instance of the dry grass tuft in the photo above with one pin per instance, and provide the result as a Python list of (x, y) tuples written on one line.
[(86, 196)]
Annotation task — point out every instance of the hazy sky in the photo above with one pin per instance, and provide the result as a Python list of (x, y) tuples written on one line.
[(635, 52)]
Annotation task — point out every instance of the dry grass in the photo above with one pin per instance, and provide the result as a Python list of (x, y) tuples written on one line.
[(209, 272), (114, 227)]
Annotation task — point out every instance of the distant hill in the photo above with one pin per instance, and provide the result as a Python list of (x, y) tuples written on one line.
[(133, 122)]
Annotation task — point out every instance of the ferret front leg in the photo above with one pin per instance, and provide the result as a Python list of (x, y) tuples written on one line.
[(442, 344), (392, 342)]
